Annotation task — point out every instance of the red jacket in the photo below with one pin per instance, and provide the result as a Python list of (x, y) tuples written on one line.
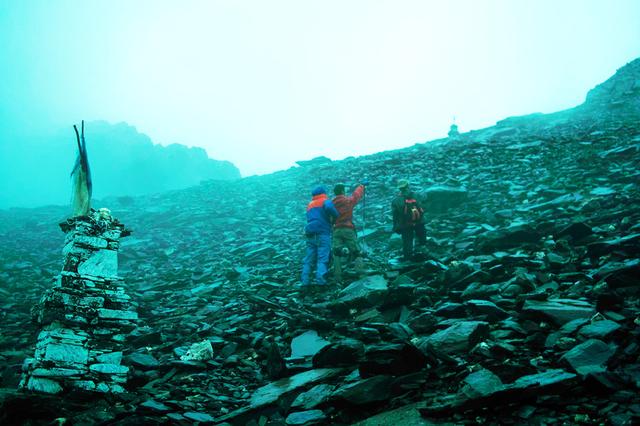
[(345, 205)]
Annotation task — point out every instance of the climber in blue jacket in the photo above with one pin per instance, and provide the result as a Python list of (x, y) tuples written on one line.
[(321, 213)]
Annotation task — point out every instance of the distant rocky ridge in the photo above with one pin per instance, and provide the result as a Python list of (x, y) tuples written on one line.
[(524, 308), (621, 93), (123, 161)]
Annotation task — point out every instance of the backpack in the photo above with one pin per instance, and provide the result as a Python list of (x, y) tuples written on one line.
[(412, 211)]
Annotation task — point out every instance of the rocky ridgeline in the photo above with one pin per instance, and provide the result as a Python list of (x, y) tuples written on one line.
[(85, 317), (523, 309)]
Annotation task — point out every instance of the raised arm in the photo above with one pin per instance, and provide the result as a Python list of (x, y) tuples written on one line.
[(357, 194)]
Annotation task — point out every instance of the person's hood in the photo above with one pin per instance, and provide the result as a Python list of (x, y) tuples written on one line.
[(318, 190)]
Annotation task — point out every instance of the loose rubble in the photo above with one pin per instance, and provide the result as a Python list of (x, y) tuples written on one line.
[(523, 308)]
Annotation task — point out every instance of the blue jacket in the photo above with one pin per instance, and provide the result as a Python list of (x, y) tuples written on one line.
[(320, 213)]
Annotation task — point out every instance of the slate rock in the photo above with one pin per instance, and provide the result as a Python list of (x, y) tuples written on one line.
[(481, 383), (101, 263), (201, 351), (577, 231), (39, 384), (423, 323), (451, 310), (365, 391), (307, 344), (408, 415), (365, 292), (343, 353), (271, 392), (303, 418), (143, 361), (560, 311), (313, 397), (199, 417), (110, 358), (545, 379), (599, 329), (590, 356), (486, 308), (64, 353), (441, 198), (458, 338), (154, 405), (109, 368), (396, 359)]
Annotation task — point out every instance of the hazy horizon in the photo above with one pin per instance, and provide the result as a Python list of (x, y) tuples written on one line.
[(288, 81)]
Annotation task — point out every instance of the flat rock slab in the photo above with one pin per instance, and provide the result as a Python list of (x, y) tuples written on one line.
[(313, 397), (199, 417), (273, 391), (535, 385), (38, 384), (409, 415), (457, 338), (589, 357), (307, 344), (303, 418), (342, 353), (365, 391), (114, 314), (485, 307), (109, 369), (143, 361), (102, 263), (481, 383), (599, 329), (367, 291), (71, 354), (560, 311), (542, 380), (154, 405)]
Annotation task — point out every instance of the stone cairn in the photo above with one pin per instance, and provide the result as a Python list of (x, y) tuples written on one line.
[(86, 316), (453, 131)]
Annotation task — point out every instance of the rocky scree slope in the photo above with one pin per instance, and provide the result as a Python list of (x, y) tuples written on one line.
[(523, 309)]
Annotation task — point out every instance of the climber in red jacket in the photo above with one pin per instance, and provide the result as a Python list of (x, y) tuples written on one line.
[(345, 240)]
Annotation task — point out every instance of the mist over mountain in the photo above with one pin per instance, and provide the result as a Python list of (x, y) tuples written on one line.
[(124, 162)]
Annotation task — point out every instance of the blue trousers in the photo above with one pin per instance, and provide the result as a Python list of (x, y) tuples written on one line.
[(318, 255)]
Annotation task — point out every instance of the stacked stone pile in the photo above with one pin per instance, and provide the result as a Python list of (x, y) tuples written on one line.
[(86, 316)]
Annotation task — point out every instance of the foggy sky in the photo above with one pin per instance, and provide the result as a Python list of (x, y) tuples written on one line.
[(266, 83)]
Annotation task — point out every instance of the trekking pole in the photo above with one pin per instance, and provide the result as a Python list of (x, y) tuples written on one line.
[(364, 222)]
